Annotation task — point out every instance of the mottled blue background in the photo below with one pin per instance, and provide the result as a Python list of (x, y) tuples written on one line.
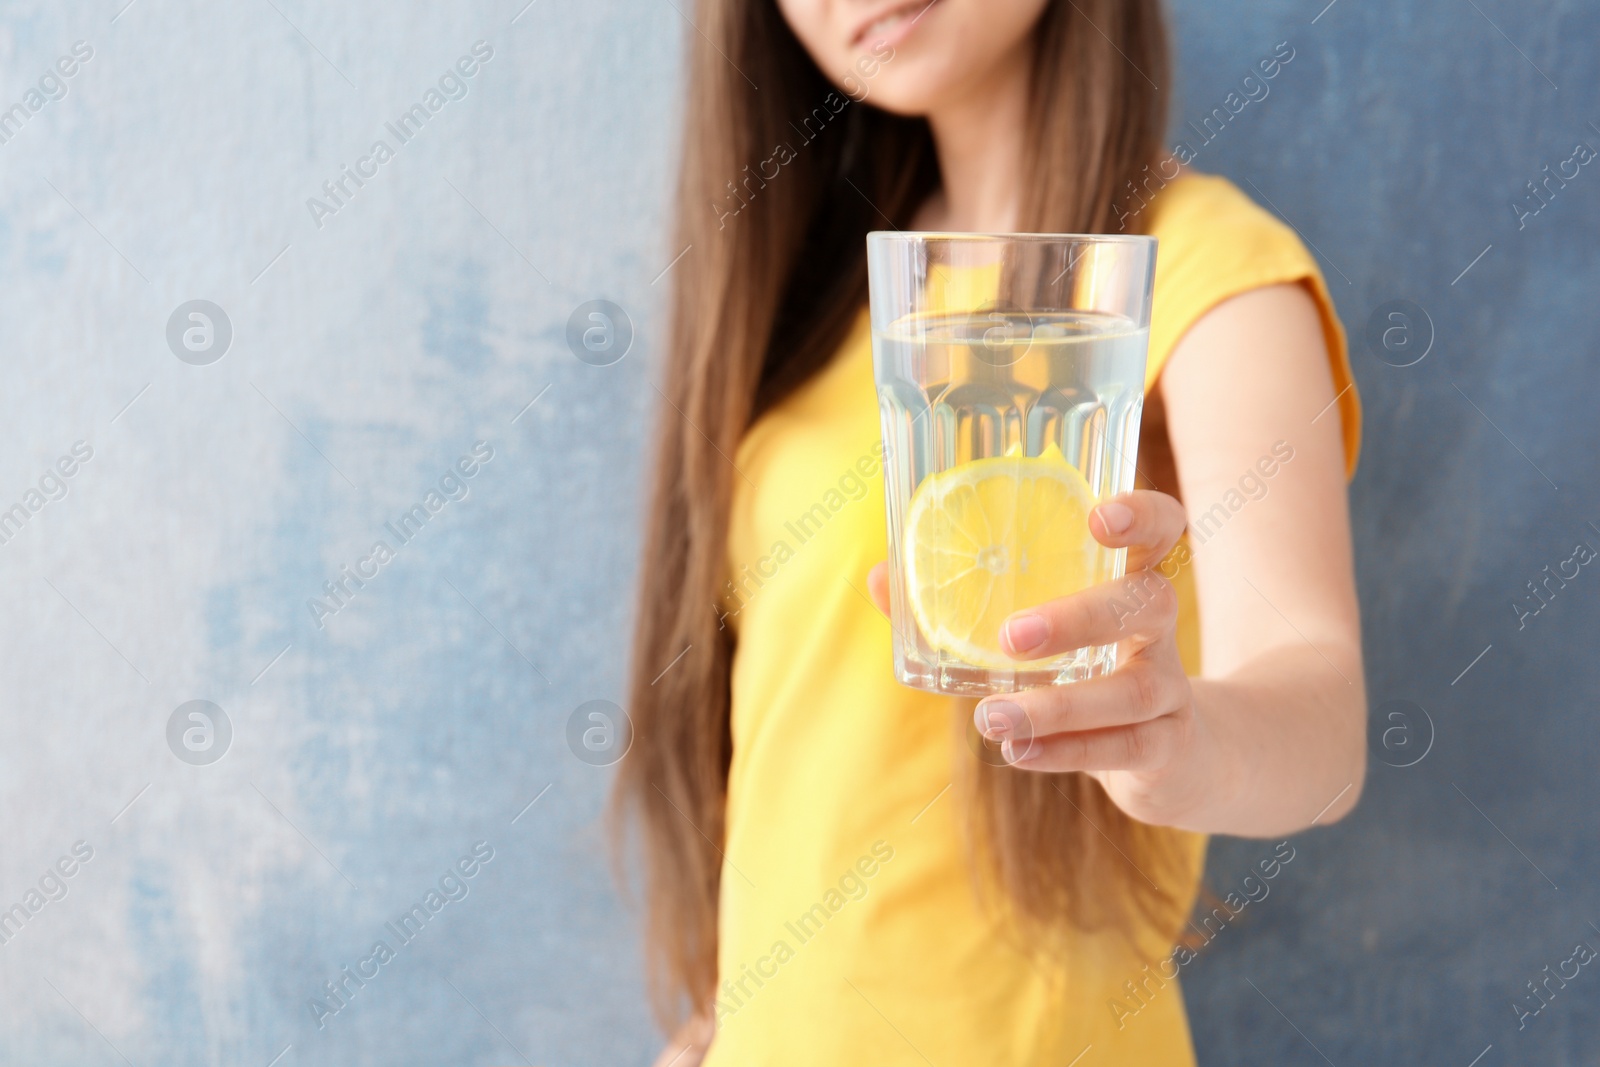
[(370, 353)]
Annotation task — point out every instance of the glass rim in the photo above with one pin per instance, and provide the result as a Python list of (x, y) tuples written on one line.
[(956, 236)]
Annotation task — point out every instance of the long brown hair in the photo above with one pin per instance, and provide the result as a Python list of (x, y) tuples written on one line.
[(773, 275)]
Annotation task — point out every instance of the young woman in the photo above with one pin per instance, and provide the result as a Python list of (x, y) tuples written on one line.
[(837, 873)]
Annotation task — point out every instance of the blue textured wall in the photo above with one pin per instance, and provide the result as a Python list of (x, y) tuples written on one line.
[(371, 746), (1396, 141)]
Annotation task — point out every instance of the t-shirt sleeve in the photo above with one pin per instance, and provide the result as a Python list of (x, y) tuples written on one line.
[(1215, 243)]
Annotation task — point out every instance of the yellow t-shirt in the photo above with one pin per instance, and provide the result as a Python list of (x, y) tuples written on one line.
[(849, 929)]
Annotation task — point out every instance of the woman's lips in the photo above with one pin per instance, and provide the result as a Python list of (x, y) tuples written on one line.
[(892, 25)]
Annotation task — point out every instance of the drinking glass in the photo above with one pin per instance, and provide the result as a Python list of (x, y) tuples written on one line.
[(1010, 378)]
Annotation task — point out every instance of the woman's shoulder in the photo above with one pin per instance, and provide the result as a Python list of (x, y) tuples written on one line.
[(1206, 222), (1216, 243)]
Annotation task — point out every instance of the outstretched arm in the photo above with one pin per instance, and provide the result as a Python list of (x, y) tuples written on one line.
[(1271, 736)]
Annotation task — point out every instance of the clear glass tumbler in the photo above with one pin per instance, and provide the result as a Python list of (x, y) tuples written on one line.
[(1010, 375)]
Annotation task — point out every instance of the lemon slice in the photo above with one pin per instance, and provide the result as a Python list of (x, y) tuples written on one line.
[(990, 537)]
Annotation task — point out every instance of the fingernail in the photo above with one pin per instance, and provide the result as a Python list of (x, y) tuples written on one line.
[(1008, 751), (1115, 517), (1023, 633), (997, 719)]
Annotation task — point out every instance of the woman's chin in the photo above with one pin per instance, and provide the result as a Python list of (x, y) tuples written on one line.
[(910, 95)]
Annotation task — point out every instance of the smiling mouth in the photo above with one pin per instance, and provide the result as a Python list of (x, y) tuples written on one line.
[(893, 25)]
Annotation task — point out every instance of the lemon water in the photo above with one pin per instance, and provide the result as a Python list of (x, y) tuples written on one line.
[(1002, 429)]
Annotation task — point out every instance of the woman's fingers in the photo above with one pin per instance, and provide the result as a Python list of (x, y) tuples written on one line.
[(1149, 746), (1139, 608), (1144, 688), (1145, 522), (1142, 604)]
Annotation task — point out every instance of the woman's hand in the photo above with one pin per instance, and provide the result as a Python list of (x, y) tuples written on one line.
[(1136, 729), (689, 1045), (1270, 736)]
